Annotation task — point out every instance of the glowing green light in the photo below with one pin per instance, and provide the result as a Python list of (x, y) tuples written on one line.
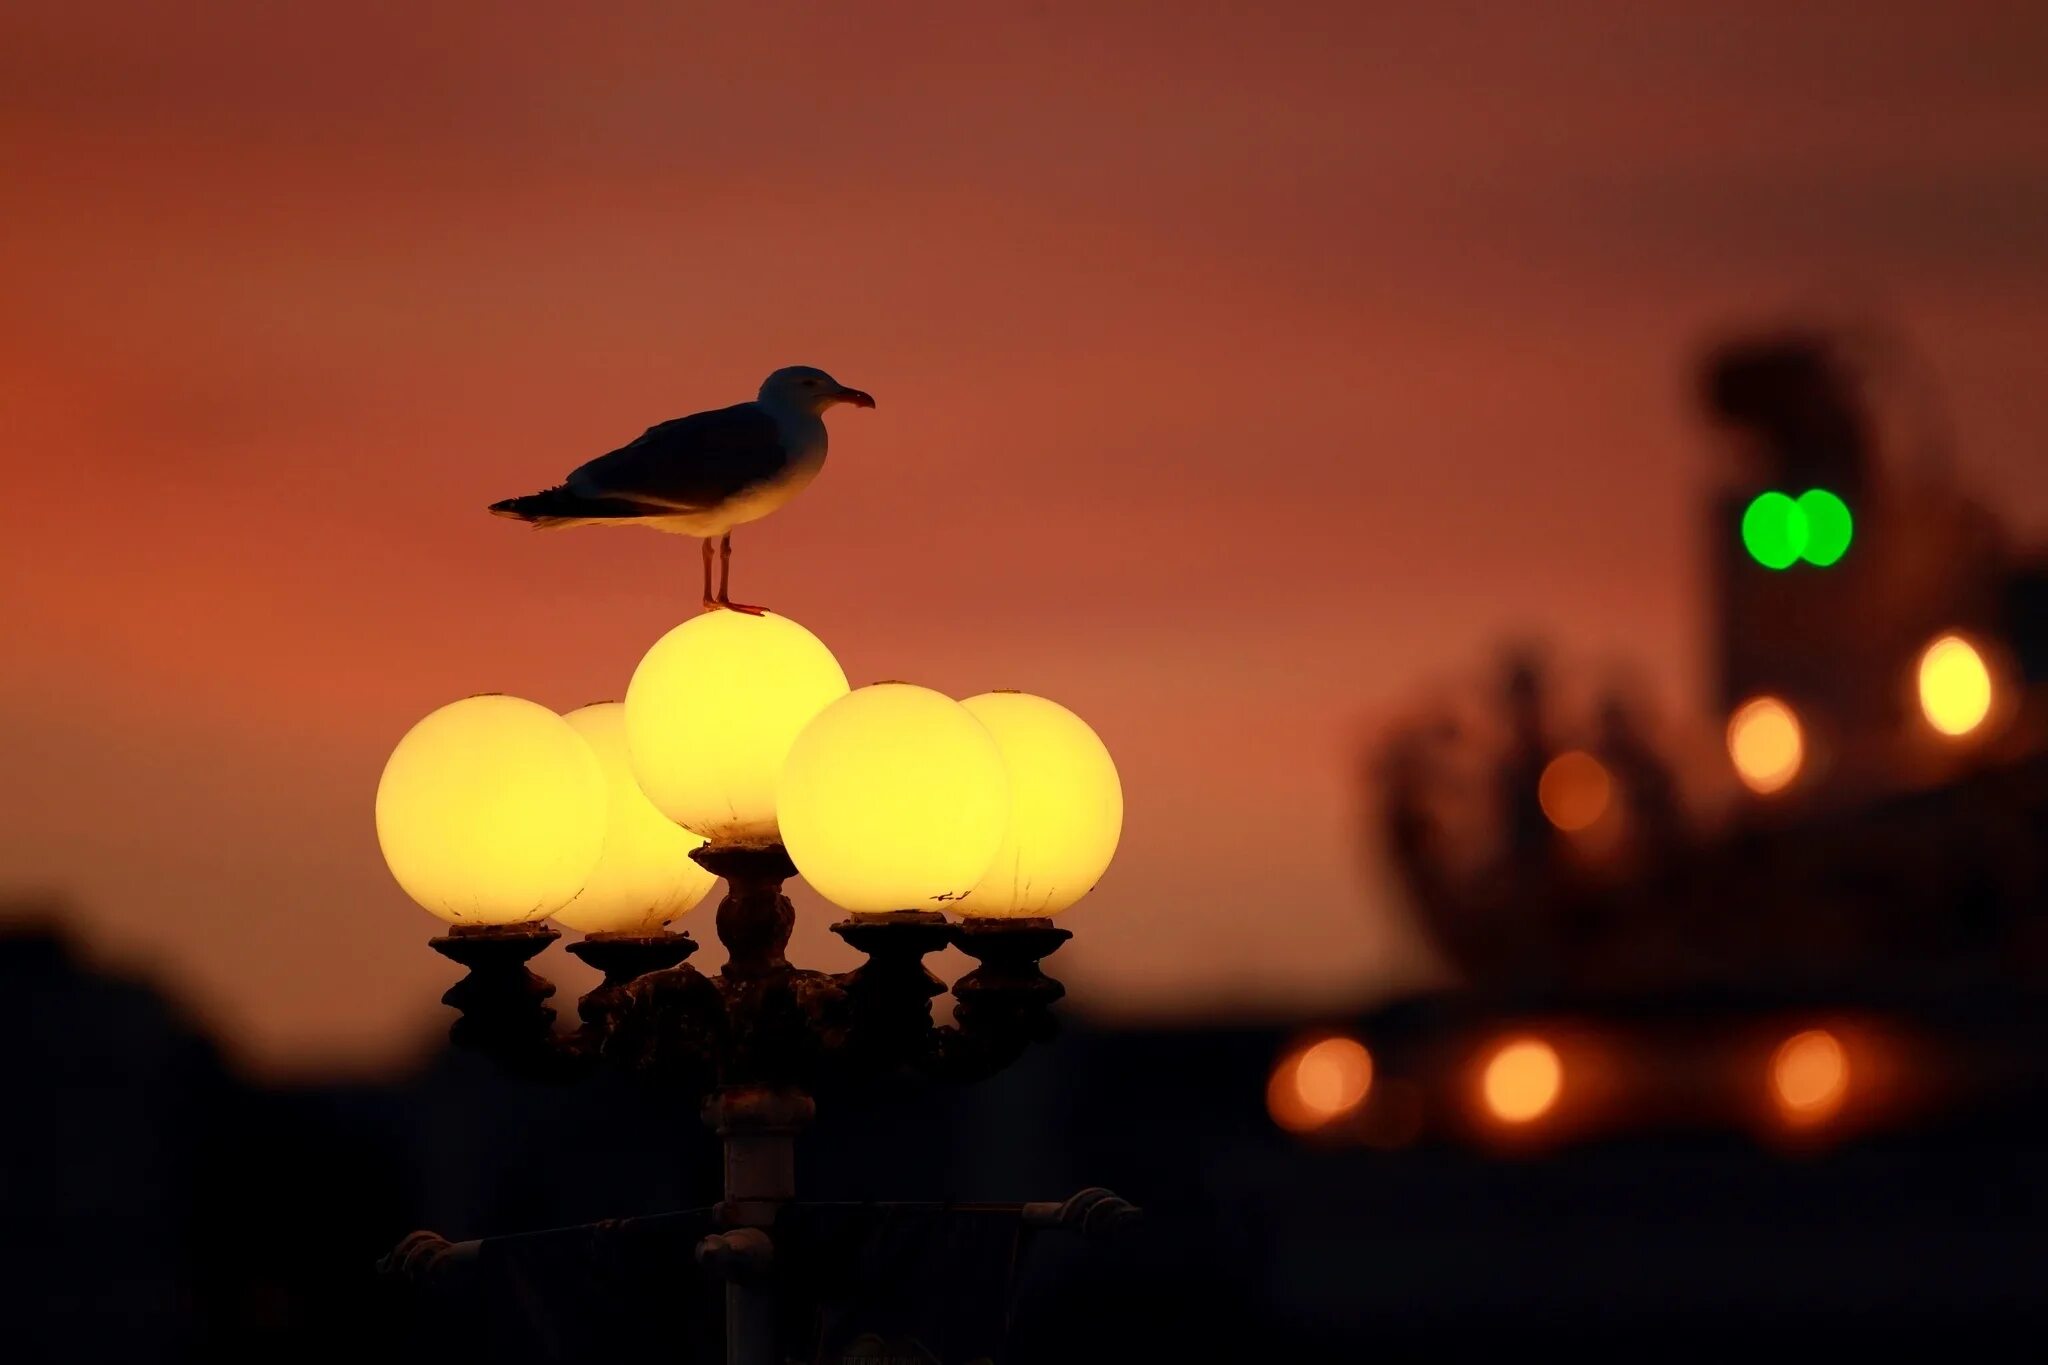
[(1829, 527), (1774, 530)]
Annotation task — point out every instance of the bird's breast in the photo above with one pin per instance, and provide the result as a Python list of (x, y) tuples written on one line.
[(802, 434)]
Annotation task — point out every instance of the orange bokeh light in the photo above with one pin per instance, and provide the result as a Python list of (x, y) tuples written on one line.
[(1956, 689), (1522, 1080), (1810, 1076), (1767, 744), (1574, 791), (1319, 1082)]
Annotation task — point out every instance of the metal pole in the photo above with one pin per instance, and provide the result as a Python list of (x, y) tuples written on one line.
[(759, 1125)]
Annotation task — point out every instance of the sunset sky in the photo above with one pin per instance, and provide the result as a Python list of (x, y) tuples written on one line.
[(1243, 371)]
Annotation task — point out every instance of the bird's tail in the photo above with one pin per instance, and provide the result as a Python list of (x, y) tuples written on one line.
[(551, 507)]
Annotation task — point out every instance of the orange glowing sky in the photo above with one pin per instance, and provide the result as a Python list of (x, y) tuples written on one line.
[(1241, 370)]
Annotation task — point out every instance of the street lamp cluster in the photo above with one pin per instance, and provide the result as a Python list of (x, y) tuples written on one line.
[(741, 753)]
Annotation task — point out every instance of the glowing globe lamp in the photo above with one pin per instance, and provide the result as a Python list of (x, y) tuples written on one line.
[(1829, 527), (711, 713), (894, 798), (1066, 808), (645, 876), (491, 811), (1955, 686), (1774, 530), (1766, 744)]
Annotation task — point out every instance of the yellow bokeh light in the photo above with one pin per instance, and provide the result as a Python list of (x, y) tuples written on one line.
[(1766, 744), (894, 798), (1316, 1084), (1810, 1076), (711, 713), (1066, 808), (491, 811), (1955, 686), (1522, 1080), (1574, 791), (645, 876)]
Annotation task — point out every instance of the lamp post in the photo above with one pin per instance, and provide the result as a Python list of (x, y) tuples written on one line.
[(741, 754)]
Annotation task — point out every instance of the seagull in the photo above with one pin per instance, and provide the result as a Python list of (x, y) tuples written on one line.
[(704, 474)]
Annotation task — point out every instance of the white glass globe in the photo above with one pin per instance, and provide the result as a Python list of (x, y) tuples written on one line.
[(491, 811), (1066, 808), (894, 798), (645, 876), (711, 713)]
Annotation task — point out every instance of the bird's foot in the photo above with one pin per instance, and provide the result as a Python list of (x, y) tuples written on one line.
[(743, 608), (710, 603)]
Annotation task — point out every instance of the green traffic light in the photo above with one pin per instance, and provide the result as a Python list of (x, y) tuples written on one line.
[(1829, 527), (1774, 530), (1779, 531)]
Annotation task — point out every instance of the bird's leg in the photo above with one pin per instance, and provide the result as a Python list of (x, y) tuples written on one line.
[(725, 577), (709, 600)]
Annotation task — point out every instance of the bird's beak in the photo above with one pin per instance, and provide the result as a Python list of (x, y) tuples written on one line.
[(856, 397)]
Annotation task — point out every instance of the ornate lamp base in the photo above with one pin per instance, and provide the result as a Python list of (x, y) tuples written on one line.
[(755, 918), (889, 996), (624, 958), (1008, 986), (504, 1006)]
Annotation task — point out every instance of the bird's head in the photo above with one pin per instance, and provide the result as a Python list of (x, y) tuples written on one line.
[(808, 389)]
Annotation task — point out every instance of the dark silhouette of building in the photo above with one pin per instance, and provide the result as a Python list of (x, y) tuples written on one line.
[(1893, 852)]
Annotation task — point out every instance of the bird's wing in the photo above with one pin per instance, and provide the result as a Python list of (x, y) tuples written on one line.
[(692, 463)]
